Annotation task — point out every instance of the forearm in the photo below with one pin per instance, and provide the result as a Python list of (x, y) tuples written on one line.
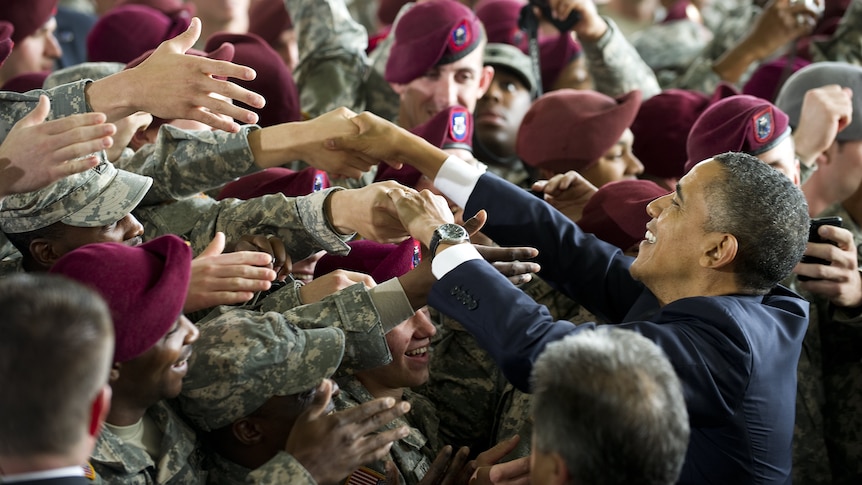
[(188, 162), (616, 67)]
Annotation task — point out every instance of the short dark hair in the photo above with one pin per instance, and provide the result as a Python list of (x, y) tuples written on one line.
[(766, 212), (56, 347), (610, 404)]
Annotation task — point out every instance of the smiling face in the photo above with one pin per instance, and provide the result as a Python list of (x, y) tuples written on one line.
[(500, 111), (669, 259), (409, 343), (158, 373), (460, 83)]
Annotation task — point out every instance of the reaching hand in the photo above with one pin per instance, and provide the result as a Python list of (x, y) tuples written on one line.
[(37, 153), (226, 279), (420, 212), (567, 192), (489, 471), (323, 286), (840, 281), (331, 446), (271, 245), (825, 111), (368, 211), (172, 85)]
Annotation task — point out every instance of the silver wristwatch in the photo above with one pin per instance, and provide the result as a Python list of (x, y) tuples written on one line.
[(448, 234)]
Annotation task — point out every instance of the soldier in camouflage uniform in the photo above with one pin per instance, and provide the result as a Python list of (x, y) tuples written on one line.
[(242, 365), (838, 294), (143, 441)]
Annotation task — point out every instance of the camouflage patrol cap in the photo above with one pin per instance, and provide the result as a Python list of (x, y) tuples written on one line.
[(818, 75), (96, 197), (84, 70), (511, 58), (240, 362)]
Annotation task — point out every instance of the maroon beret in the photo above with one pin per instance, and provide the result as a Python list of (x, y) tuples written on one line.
[(767, 79), (268, 19), (276, 180), (25, 82), (431, 34), (382, 261), (27, 16), (6, 42), (128, 31), (661, 130), (500, 18), (274, 81), (145, 287), (555, 53), (617, 212), (450, 128), (677, 11), (740, 123), (571, 129), (168, 7)]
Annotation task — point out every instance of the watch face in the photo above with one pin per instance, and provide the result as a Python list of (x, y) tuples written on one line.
[(452, 231)]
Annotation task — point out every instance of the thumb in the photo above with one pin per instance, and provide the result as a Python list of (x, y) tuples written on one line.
[(187, 39), (320, 401), (215, 247), (475, 223), (40, 112)]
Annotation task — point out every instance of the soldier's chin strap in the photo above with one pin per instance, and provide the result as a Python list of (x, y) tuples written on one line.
[(529, 23)]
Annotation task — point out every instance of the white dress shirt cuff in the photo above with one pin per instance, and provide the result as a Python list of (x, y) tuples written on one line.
[(452, 257), (456, 179)]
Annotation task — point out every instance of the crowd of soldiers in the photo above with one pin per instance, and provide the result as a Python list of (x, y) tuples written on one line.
[(494, 241)]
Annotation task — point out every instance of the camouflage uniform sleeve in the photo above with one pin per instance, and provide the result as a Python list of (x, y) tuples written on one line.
[(616, 67), (333, 66), (353, 311), (845, 45), (187, 162), (66, 100), (699, 76), (381, 99), (282, 468)]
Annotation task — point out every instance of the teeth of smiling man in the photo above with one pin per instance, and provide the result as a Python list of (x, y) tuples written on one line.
[(420, 350), (650, 237)]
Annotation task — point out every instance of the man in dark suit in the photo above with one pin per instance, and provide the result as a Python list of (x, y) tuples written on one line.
[(704, 286), (56, 346)]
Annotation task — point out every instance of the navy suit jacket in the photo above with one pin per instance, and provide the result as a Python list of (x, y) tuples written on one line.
[(736, 355)]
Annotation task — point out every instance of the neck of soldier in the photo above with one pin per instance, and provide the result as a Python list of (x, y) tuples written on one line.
[(378, 389), (126, 410), (853, 206), (485, 155)]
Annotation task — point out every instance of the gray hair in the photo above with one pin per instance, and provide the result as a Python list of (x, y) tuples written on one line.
[(766, 213), (610, 404)]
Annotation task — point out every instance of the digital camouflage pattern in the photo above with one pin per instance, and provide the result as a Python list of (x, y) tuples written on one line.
[(86, 70), (299, 222), (282, 468), (841, 332), (412, 454), (616, 67), (93, 198), (181, 461), (669, 48), (243, 358), (845, 45)]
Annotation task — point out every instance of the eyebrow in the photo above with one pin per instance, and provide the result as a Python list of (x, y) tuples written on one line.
[(679, 192)]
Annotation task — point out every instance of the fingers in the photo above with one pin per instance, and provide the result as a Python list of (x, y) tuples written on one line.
[(458, 468), (497, 452), (511, 472), (494, 253), (77, 165), (518, 270), (438, 467), (376, 446)]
